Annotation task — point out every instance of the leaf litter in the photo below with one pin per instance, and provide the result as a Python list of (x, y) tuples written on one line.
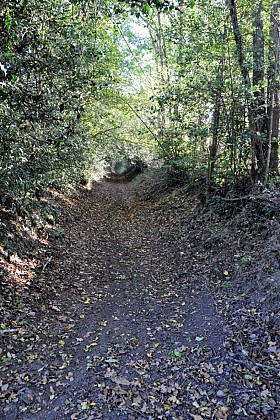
[(126, 322)]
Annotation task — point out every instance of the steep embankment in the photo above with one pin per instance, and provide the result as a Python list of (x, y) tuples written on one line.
[(132, 324)]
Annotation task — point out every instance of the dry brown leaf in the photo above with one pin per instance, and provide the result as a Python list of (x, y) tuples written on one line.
[(137, 400), (221, 414)]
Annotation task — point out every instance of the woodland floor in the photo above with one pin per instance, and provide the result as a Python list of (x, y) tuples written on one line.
[(132, 315)]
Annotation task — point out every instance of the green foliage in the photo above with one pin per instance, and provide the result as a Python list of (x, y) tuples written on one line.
[(201, 105), (53, 59), (78, 84)]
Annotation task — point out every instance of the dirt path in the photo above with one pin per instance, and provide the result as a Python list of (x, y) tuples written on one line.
[(126, 330)]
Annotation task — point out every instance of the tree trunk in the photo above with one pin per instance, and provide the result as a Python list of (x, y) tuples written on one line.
[(239, 42), (213, 149), (273, 93), (256, 108), (214, 146), (258, 103)]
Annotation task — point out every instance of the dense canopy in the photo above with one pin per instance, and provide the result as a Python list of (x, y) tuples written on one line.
[(195, 83)]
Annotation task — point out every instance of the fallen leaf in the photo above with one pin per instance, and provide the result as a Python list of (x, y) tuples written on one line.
[(112, 361), (137, 400), (119, 380)]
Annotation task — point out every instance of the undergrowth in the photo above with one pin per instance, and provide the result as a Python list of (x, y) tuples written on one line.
[(238, 229)]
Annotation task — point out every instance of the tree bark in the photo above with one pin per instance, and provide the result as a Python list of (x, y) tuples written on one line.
[(239, 42), (213, 149), (256, 105), (273, 93), (214, 146), (258, 102)]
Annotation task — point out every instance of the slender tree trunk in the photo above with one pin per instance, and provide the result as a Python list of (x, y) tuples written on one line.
[(160, 43), (256, 110), (239, 43), (258, 103), (214, 146), (273, 93), (156, 38), (163, 50), (213, 149)]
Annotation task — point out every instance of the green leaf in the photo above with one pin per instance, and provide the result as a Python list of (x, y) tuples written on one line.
[(24, 3), (8, 20), (7, 358), (122, 277), (14, 78), (175, 353), (84, 405), (147, 8)]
